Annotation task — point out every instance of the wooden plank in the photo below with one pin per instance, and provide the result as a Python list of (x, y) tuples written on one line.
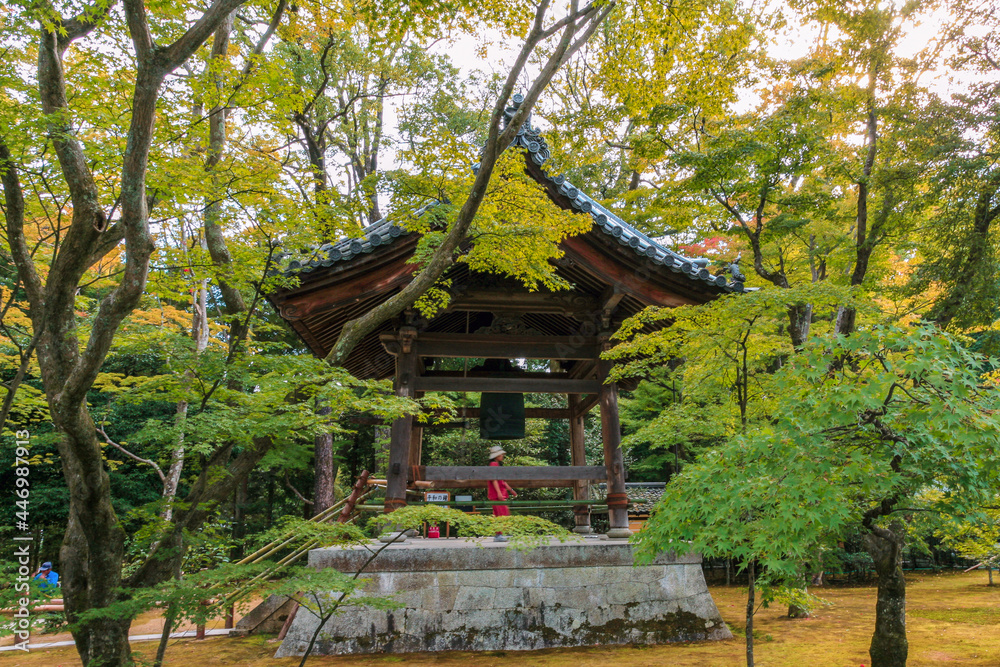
[(482, 484), (509, 473), (563, 348), (508, 385)]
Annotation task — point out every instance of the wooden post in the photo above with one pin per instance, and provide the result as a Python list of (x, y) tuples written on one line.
[(578, 457), (612, 437), (416, 442), (401, 433)]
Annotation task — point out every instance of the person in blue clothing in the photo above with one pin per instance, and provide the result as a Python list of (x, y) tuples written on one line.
[(47, 577)]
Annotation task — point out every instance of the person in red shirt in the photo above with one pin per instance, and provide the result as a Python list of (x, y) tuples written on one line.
[(498, 489)]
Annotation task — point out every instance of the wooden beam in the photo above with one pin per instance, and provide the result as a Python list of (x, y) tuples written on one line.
[(586, 404), (505, 347), (530, 413), (297, 306), (610, 299), (497, 301), (462, 413), (509, 473), (496, 374), (628, 280), (508, 385), (482, 484)]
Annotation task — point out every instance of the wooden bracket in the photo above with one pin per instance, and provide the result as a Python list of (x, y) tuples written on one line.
[(407, 335)]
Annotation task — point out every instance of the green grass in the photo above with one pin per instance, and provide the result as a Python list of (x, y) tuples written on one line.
[(946, 615)]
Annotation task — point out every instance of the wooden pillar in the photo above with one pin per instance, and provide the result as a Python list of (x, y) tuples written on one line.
[(578, 457), (401, 433), (612, 437), (416, 442)]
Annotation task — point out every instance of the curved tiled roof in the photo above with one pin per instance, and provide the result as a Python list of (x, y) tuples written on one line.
[(538, 152), (385, 231), (380, 233)]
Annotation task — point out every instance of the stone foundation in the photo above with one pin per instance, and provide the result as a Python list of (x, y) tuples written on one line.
[(484, 596)]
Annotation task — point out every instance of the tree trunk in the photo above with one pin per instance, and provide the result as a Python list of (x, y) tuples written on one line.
[(92, 550), (969, 276), (240, 498), (751, 602), (323, 467), (799, 323), (889, 645), (817, 577), (865, 241), (91, 557)]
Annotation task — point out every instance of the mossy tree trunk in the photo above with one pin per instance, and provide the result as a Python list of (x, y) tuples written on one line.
[(889, 646)]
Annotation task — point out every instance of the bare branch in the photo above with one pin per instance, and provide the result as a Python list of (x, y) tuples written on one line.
[(153, 464), (495, 144)]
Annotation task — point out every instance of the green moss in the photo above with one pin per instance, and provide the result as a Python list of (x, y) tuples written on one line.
[(973, 615)]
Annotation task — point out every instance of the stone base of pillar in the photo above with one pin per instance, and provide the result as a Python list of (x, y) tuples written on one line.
[(583, 530), (619, 533)]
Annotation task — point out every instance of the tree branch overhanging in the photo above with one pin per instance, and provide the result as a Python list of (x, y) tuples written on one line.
[(575, 32)]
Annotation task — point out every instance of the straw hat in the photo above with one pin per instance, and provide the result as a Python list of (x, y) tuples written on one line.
[(496, 451)]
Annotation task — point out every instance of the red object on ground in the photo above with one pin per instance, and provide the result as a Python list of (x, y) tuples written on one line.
[(433, 532)]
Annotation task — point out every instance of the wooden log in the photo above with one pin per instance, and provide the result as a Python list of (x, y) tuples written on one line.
[(508, 385), (512, 473)]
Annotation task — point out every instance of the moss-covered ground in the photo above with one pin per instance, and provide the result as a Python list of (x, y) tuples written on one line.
[(952, 618)]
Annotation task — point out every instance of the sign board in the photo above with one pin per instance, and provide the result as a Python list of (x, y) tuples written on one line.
[(437, 496)]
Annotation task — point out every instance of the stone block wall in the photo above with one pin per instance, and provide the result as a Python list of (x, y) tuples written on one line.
[(499, 599)]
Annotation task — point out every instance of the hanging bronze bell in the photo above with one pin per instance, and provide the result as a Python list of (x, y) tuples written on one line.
[(501, 416)]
